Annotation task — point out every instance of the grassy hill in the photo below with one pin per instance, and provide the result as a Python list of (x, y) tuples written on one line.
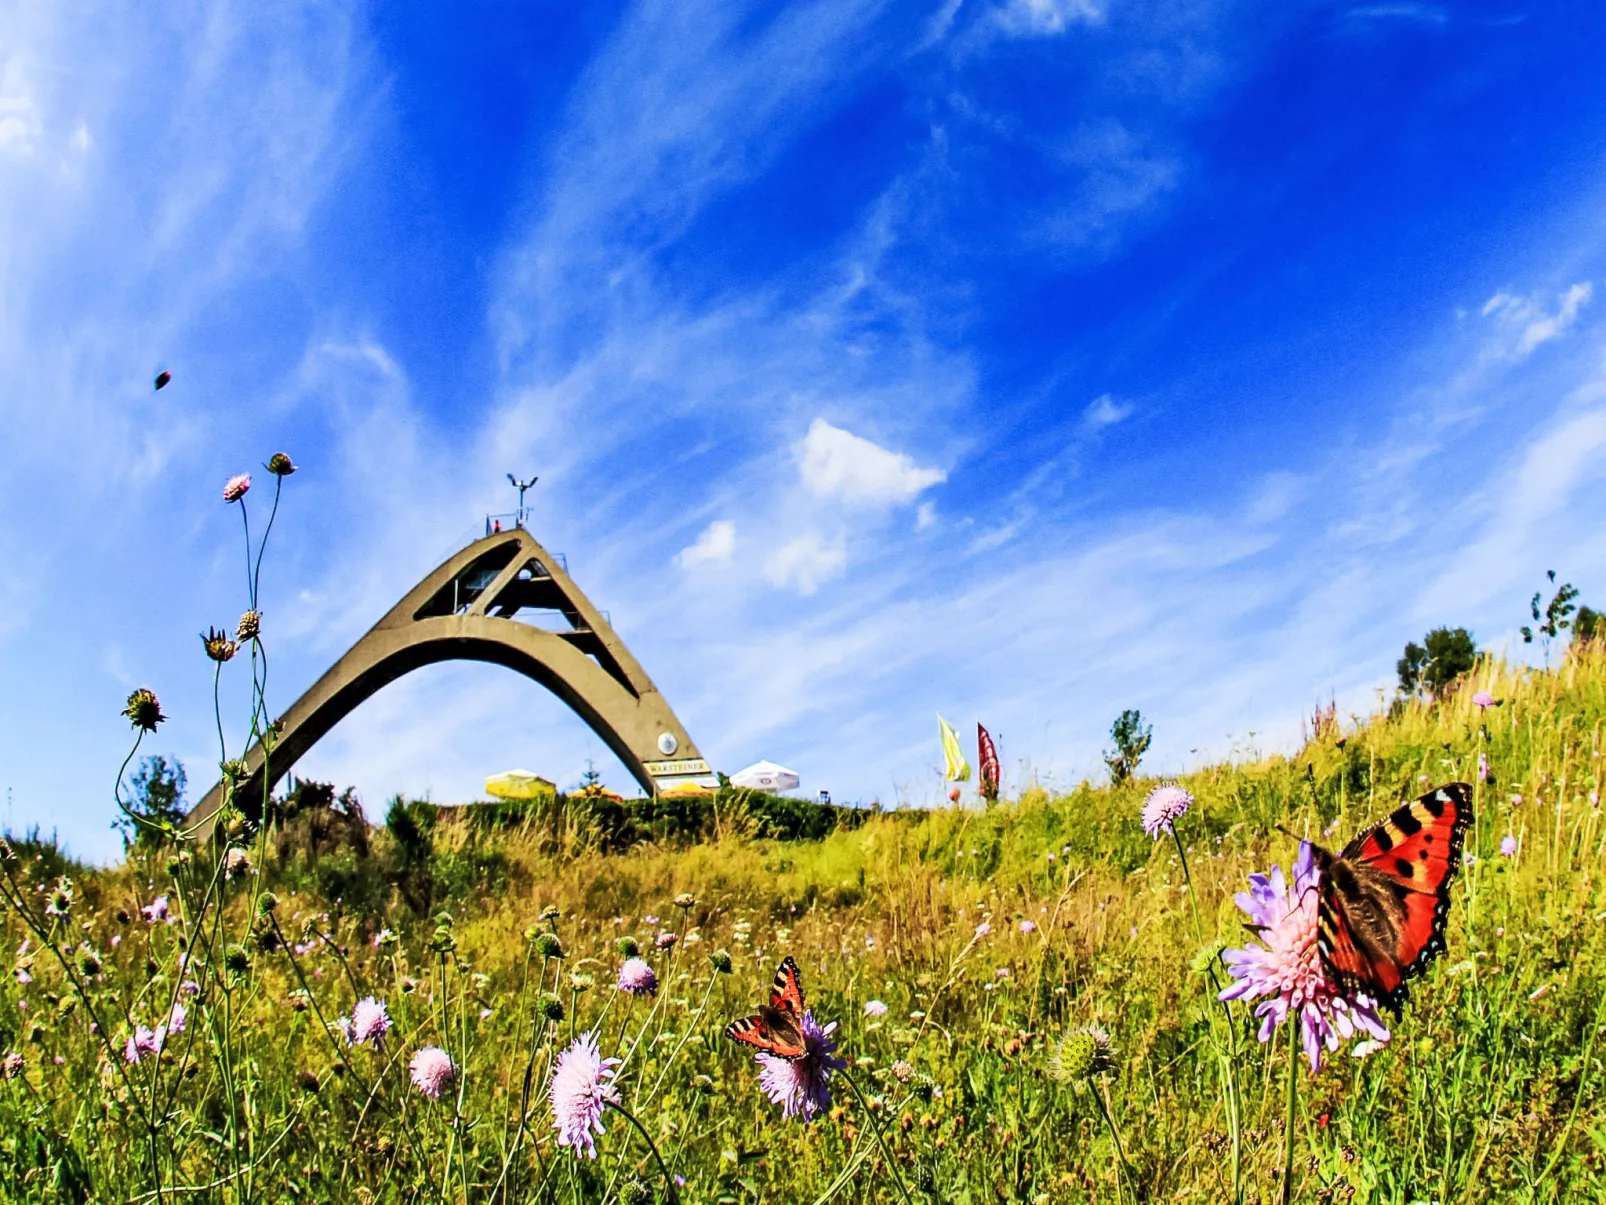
[(990, 937)]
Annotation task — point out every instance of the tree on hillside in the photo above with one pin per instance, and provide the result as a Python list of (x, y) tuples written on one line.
[(157, 788), (1442, 657), (1131, 736), (1552, 621), (1589, 624)]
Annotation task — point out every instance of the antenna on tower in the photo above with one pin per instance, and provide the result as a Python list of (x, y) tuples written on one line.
[(521, 486)]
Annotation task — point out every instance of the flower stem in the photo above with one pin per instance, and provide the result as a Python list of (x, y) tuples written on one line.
[(1115, 1135), (897, 1176), (1288, 1118), (669, 1181)]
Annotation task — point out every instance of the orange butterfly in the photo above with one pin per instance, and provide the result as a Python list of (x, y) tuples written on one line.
[(1384, 901), (777, 1028)]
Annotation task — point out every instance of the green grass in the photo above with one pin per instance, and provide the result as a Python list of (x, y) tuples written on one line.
[(1490, 1089)]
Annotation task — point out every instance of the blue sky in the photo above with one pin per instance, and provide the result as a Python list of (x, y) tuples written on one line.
[(1020, 359)]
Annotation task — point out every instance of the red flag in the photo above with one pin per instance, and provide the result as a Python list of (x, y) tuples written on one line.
[(987, 756)]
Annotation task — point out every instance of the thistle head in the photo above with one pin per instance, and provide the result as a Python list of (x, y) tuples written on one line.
[(218, 646)]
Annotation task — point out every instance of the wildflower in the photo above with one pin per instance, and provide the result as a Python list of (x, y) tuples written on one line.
[(177, 1019), (1288, 968), (60, 903), (236, 487), (1080, 1054), (637, 978), (279, 465), (218, 645), (11, 1066), (580, 981), (802, 1086), (156, 912), (550, 912), (1483, 767), (142, 1042), (1002, 972), (368, 1025), (237, 960), (686, 901), (432, 1071), (1028, 927), (1050, 857), (666, 941), (1483, 700), (385, 937), (1165, 806), (88, 961), (874, 1008), (984, 930), (487, 1013), (550, 1007), (581, 1090), (190, 988), (236, 863), (144, 709), (249, 627), (1508, 846)]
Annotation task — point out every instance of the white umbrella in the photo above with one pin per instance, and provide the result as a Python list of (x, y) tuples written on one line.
[(766, 776)]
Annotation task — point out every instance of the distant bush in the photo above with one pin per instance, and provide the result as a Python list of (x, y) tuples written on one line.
[(1131, 736), (157, 788), (1442, 657)]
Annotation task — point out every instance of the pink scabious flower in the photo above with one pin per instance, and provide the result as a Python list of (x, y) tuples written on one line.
[(1483, 767), (432, 1071), (1483, 700), (1028, 927), (581, 1090), (236, 487), (11, 1066), (368, 1025), (177, 1019), (802, 1086), (874, 1008), (143, 1041), (156, 912), (1288, 968), (984, 930), (637, 978), (1508, 846), (665, 941), (1164, 807)]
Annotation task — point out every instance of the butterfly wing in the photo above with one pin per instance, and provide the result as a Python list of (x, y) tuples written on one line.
[(1385, 901), (786, 993), (777, 1028)]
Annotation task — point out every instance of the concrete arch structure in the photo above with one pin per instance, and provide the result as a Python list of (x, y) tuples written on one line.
[(464, 611)]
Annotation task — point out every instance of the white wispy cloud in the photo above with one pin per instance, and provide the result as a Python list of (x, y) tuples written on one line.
[(1527, 324), (717, 543), (1046, 18), (806, 562), (1105, 411), (834, 463)]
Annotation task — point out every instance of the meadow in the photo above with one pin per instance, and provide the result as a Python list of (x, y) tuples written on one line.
[(1024, 996)]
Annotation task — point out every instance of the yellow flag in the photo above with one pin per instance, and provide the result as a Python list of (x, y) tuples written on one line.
[(957, 768)]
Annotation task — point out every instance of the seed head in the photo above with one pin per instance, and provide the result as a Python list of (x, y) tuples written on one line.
[(88, 962), (686, 900), (237, 960), (249, 627), (266, 903), (550, 1007), (279, 465), (144, 709), (580, 981), (721, 958), (627, 946), (547, 945), (218, 645), (1082, 1053), (550, 912)]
